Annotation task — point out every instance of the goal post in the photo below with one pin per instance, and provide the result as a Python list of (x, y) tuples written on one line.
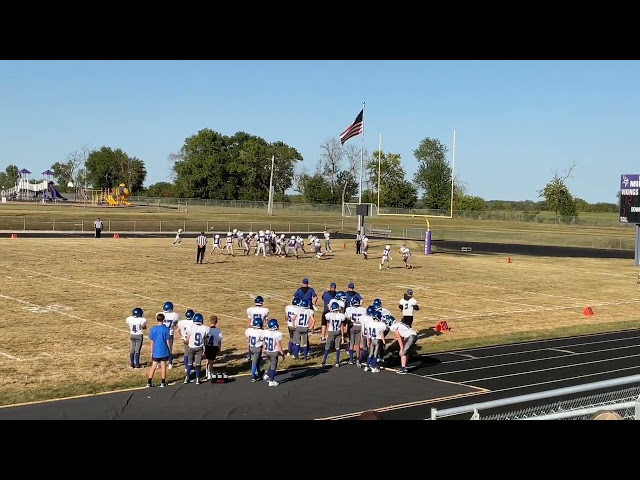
[(350, 209)]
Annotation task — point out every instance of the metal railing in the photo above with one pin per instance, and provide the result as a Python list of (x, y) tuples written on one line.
[(626, 401)]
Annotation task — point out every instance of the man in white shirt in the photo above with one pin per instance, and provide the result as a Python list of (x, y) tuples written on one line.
[(408, 305)]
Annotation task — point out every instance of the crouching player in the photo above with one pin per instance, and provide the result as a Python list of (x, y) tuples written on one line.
[(406, 337), (272, 339)]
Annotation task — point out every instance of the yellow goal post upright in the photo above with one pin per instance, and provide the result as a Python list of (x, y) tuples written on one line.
[(428, 234)]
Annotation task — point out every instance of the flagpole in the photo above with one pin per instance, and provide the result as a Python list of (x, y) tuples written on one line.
[(379, 167), (360, 225), (453, 171)]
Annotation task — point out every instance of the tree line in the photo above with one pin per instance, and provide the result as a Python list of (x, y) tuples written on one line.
[(212, 165)]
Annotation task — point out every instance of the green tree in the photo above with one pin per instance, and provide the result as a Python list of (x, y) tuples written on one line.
[(107, 168), (558, 198), (9, 177), (160, 189), (395, 190), (213, 165), (434, 174), (469, 203)]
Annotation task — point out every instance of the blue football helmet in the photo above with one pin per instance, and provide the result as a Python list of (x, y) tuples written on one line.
[(304, 303), (257, 323), (273, 324), (371, 310), (295, 302), (377, 304), (198, 318), (355, 302), (390, 320), (334, 306), (377, 315), (259, 301), (341, 295), (137, 312), (189, 314), (167, 307)]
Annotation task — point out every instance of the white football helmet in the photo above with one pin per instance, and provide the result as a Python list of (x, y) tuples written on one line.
[(268, 232), (235, 230), (217, 236), (388, 247), (260, 232), (179, 230)]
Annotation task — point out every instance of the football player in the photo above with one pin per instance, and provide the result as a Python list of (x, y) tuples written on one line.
[(213, 345), (216, 244), (386, 257), (292, 311), (304, 322), (364, 342), (196, 340), (355, 314), (375, 335), (257, 311), (255, 336), (184, 327), (178, 238), (171, 319), (335, 330), (406, 339), (137, 323), (229, 244), (272, 339), (406, 256)]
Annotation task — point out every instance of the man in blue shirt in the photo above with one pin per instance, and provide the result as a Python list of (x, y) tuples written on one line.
[(351, 293), (326, 298), (160, 351)]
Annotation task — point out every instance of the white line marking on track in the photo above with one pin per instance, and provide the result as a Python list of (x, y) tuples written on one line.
[(533, 350), (499, 365), (468, 357), (562, 350), (593, 362)]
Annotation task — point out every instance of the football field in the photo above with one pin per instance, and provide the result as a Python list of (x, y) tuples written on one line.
[(65, 301)]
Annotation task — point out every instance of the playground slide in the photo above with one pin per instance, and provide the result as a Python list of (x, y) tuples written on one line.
[(124, 200), (54, 193), (111, 200)]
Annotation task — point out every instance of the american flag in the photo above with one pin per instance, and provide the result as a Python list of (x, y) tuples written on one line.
[(356, 128)]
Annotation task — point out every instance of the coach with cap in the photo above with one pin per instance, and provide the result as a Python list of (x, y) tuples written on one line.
[(351, 293), (305, 292), (326, 299)]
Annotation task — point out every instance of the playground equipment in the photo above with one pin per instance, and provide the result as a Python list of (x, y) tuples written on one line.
[(117, 196), (27, 189)]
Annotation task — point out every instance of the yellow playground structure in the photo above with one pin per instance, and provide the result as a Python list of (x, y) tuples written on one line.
[(114, 197)]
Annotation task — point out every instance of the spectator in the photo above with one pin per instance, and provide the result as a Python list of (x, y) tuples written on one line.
[(371, 415)]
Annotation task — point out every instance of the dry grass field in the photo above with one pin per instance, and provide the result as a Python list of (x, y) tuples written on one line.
[(64, 301)]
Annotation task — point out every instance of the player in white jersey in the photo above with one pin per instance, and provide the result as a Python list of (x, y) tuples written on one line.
[(255, 336), (317, 247), (184, 327), (246, 242), (304, 323), (281, 241), (178, 238), (292, 311), (300, 244), (273, 349), (364, 343), (216, 244), (261, 245), (291, 247), (327, 241), (258, 311), (213, 345), (375, 334), (137, 323), (229, 244), (196, 340), (406, 337), (364, 247), (354, 314), (170, 321), (386, 257), (384, 313), (335, 331), (406, 255), (408, 305)]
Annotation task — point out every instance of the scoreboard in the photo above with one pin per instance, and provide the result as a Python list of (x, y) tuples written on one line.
[(630, 199)]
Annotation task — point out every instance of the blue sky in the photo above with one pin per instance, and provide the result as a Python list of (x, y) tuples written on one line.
[(516, 121)]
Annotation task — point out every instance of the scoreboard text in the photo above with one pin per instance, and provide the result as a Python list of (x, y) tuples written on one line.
[(630, 199)]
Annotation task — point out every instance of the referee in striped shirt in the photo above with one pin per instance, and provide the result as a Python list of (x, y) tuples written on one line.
[(202, 247)]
